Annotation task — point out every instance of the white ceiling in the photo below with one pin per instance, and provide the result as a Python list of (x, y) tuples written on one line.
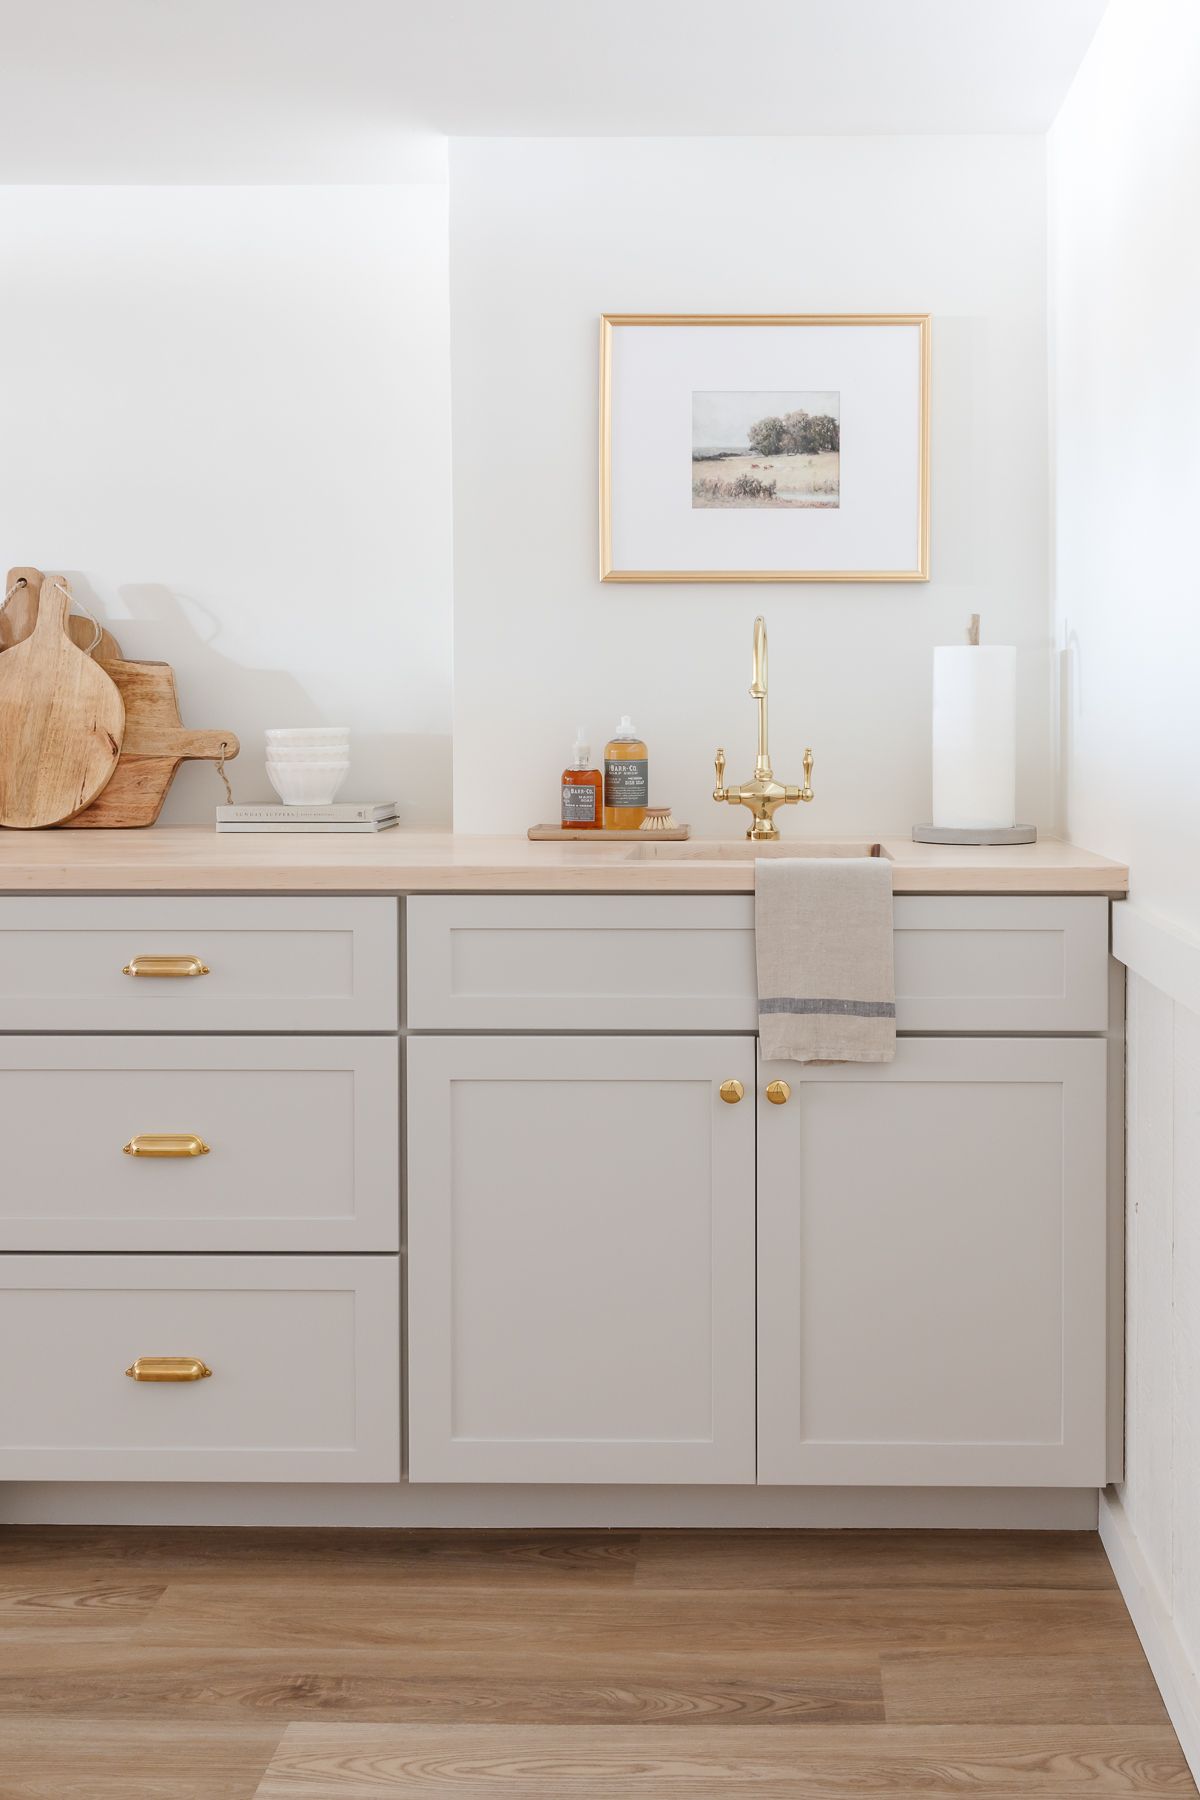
[(356, 90)]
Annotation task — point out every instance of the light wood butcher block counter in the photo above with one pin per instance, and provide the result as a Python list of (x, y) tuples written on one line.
[(194, 859)]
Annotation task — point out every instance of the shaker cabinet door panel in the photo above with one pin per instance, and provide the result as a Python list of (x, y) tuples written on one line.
[(580, 1260), (931, 1267)]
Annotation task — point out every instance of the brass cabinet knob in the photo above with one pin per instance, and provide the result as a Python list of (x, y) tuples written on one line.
[(731, 1092), (168, 1368), (166, 1143), (165, 966), (778, 1093)]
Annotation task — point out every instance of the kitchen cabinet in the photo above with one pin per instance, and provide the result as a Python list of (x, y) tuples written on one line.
[(581, 1259), (508, 1196), (931, 1267), (930, 1263), (280, 1368), (931, 1235)]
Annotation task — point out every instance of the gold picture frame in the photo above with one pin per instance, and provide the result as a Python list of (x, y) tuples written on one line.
[(612, 322)]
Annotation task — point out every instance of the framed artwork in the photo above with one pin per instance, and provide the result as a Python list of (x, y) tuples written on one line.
[(764, 447)]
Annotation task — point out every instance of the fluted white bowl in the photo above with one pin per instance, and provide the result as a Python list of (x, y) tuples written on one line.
[(312, 762), (308, 734), (309, 753), (314, 784)]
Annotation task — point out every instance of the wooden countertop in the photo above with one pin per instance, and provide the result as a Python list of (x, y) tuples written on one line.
[(191, 859)]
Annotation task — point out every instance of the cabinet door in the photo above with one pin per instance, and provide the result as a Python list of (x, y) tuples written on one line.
[(931, 1267), (581, 1260)]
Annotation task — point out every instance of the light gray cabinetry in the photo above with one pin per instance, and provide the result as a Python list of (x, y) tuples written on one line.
[(295, 1141), (931, 1267), (288, 964), (304, 1382), (681, 962), (931, 1233), (581, 1259), (265, 1245)]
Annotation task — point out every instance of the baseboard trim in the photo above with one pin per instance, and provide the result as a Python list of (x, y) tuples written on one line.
[(482, 1507), (1169, 1664)]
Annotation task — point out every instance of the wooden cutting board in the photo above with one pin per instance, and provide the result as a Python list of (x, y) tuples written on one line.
[(156, 742), (61, 723), (19, 617)]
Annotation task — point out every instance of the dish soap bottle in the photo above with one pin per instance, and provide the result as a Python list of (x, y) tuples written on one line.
[(582, 789), (626, 779)]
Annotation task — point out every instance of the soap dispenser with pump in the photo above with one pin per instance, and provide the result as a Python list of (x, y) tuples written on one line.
[(626, 779)]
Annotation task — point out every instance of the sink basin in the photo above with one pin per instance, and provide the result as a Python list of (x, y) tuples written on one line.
[(692, 850)]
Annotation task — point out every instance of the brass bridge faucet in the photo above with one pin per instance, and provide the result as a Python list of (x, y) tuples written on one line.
[(764, 795)]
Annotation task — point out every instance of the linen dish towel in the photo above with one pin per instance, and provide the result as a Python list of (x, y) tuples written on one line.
[(823, 940)]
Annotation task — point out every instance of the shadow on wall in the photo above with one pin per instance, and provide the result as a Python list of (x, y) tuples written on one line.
[(216, 692)]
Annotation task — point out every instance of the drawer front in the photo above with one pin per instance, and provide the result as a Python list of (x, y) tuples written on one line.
[(580, 962), (678, 962), (255, 1143), (270, 964), (304, 1353)]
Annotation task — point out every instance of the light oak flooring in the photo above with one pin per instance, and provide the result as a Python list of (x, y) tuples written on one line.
[(245, 1665)]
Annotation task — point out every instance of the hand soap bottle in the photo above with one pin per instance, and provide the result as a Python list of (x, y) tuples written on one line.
[(582, 790), (626, 779)]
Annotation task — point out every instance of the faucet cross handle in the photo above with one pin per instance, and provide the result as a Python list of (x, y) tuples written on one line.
[(719, 765)]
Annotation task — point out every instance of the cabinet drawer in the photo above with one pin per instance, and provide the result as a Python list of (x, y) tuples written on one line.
[(679, 962), (294, 1143), (270, 964), (304, 1353), (622, 962)]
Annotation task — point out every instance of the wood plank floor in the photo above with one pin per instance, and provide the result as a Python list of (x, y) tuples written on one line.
[(246, 1665)]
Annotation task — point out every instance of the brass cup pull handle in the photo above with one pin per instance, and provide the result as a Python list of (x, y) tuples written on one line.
[(169, 966), (778, 1093), (166, 1143), (168, 1368), (731, 1092)]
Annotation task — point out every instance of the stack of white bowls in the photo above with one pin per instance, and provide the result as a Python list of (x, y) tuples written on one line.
[(307, 765)]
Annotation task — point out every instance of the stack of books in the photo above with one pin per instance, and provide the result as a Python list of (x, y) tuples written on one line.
[(349, 815)]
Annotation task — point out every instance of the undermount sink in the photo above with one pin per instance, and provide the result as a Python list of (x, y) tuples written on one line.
[(746, 851)]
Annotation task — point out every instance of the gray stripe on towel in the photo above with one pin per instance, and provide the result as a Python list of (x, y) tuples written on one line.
[(854, 1009)]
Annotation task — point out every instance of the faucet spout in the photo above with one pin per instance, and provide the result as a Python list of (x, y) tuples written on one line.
[(764, 795)]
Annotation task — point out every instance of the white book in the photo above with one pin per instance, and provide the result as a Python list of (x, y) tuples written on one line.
[(293, 825), (341, 811)]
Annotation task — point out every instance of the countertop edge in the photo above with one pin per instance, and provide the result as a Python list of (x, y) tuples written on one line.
[(195, 860)]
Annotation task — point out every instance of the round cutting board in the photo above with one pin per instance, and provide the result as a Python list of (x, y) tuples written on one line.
[(62, 721)]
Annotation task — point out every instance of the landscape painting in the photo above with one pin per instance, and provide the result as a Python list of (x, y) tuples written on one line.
[(766, 449)]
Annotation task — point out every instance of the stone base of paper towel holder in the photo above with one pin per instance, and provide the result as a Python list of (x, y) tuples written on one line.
[(952, 834)]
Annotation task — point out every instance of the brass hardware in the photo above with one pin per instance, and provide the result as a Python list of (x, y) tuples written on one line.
[(167, 1143), (731, 1092), (165, 965), (168, 1368), (764, 795), (778, 1093)]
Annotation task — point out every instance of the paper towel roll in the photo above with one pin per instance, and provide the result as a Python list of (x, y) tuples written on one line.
[(974, 735)]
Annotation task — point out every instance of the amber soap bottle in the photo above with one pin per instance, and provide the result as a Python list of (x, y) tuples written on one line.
[(582, 790), (626, 779)]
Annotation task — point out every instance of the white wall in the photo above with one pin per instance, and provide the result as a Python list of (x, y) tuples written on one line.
[(226, 415), (1125, 282), (545, 235)]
